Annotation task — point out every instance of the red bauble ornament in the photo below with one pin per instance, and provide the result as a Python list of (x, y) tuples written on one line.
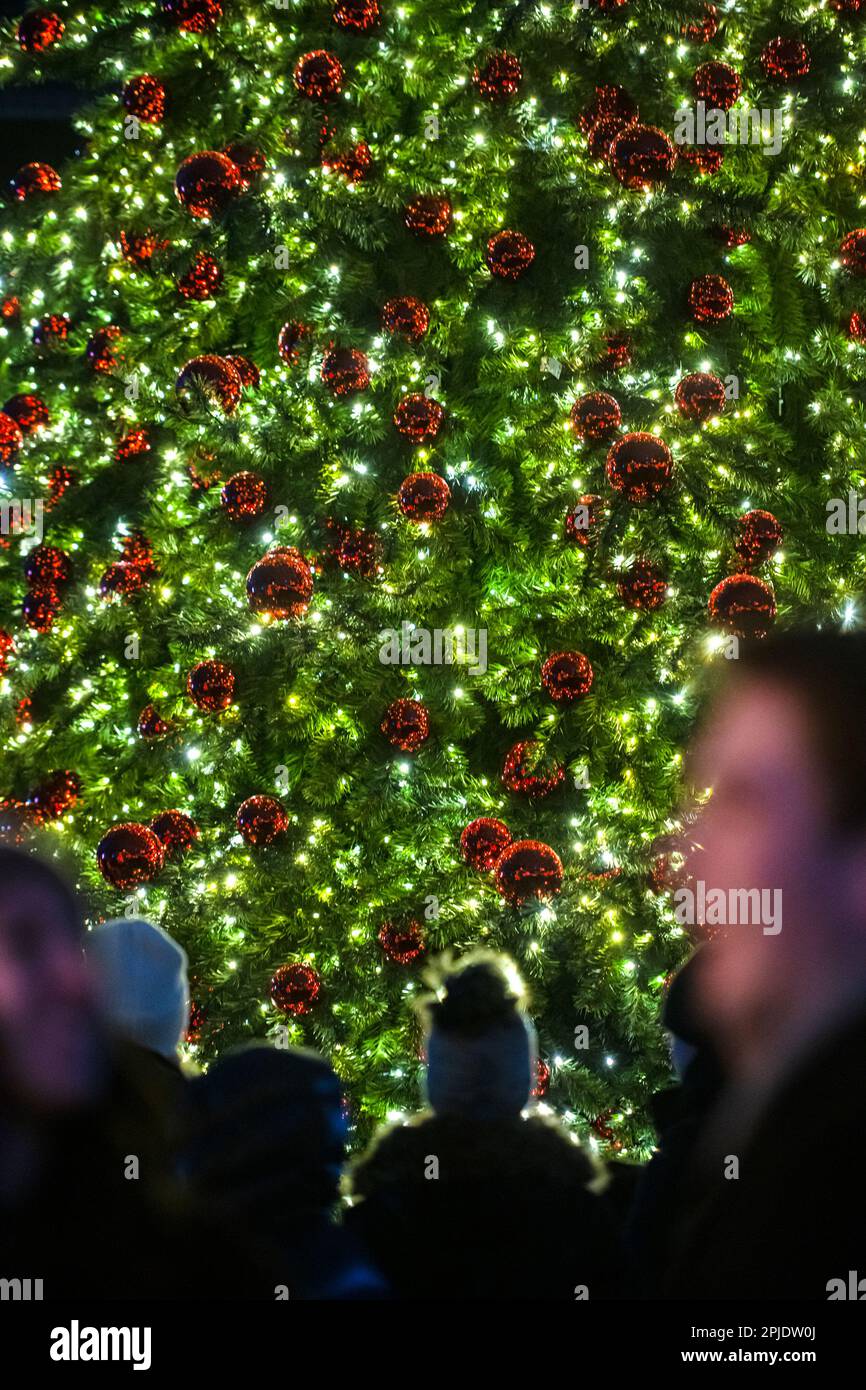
[(642, 586), (206, 183), (246, 369), (129, 854), (610, 6), (280, 585), (786, 60), (703, 30), (248, 160), (419, 418), (583, 519), (7, 649), (11, 440), (700, 396), (39, 609), (193, 16), (856, 327), (319, 75), (509, 255), (640, 467), (55, 796), (406, 725), (731, 236), (528, 770), (542, 1080), (423, 497), (711, 299), (500, 77), (402, 942), (294, 989), (483, 841), (743, 605), (717, 84), (852, 252), (602, 135), (428, 215), (845, 6), (215, 376), (145, 97), (262, 820), (359, 552), (355, 164), (407, 316), (139, 248), (567, 676), (134, 442), (203, 279), (211, 686), (47, 568), (595, 416), (121, 580), (641, 156), (290, 338), (38, 30), (759, 536), (617, 354), (244, 497), (10, 309), (32, 179), (705, 158), (345, 370), (528, 869), (609, 101), (101, 355), (29, 412), (60, 479), (176, 830), (151, 723), (137, 550), (356, 16)]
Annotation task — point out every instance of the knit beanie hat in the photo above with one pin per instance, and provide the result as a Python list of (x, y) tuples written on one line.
[(481, 1046), (141, 975)]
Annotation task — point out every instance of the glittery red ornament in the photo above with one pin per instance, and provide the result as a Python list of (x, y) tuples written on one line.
[(206, 183), (319, 75), (406, 725), (356, 16), (711, 299), (717, 84), (290, 338), (402, 942), (499, 78), (641, 156), (707, 159), (355, 164), (38, 30), (703, 29), (542, 1080), (145, 97), (203, 279), (567, 676), (743, 605), (528, 869), (47, 567), (428, 215), (294, 989), (509, 255), (25, 717), (244, 497), (856, 327), (617, 354), (121, 580), (134, 442), (700, 396), (640, 467), (423, 497), (345, 370), (595, 416), (193, 16), (262, 820), (528, 770), (139, 248), (845, 6), (32, 179), (29, 412), (215, 376), (360, 553), (852, 252), (177, 831), (10, 309), (407, 316), (246, 369), (731, 236), (483, 841), (610, 6), (419, 418), (137, 550), (211, 686), (101, 355), (7, 649), (609, 100), (60, 480), (642, 586), (151, 724), (53, 797), (602, 135), (786, 60), (280, 585), (39, 609), (248, 160), (129, 854), (759, 536), (582, 520), (11, 440)]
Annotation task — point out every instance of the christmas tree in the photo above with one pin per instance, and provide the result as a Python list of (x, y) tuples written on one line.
[(406, 406)]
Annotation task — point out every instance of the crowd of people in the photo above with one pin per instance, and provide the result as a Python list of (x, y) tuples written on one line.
[(122, 1176)]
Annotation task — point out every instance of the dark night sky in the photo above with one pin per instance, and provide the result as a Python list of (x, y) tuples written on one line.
[(35, 123)]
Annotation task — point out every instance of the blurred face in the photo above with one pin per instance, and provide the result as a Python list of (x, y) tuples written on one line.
[(49, 1051)]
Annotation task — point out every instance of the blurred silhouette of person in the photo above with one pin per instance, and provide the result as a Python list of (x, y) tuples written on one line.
[(473, 1199), (769, 1211), (265, 1148)]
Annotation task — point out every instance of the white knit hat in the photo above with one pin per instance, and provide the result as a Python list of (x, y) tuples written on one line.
[(142, 980)]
